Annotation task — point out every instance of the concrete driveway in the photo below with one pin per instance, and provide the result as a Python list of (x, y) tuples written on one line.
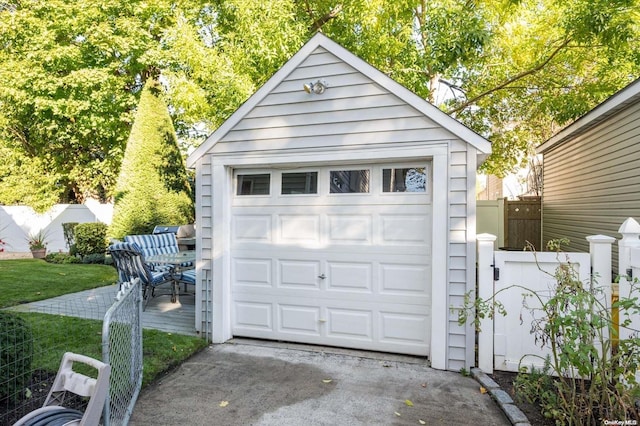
[(248, 382)]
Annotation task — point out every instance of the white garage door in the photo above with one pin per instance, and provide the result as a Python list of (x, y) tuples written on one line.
[(334, 256)]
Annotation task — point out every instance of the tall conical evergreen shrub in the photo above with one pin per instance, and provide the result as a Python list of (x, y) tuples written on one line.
[(152, 188)]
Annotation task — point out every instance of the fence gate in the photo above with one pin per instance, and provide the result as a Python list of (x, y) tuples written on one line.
[(122, 348), (506, 342), (522, 220), (515, 275)]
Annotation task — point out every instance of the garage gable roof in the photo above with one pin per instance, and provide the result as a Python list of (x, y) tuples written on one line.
[(617, 102), (482, 145)]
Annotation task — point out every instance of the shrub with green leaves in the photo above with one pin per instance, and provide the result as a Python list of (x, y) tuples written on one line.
[(16, 353), (62, 258), (94, 258), (91, 238), (152, 187)]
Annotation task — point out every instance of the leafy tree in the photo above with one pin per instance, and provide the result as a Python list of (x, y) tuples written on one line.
[(70, 77), (547, 64), (71, 72), (152, 187), (515, 70), (23, 180), (220, 57)]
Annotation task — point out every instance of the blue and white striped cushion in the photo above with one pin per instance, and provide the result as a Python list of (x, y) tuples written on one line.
[(154, 244), (151, 245), (188, 276), (159, 277)]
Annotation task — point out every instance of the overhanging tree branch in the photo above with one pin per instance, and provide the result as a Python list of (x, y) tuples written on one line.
[(23, 140), (515, 78), (318, 23)]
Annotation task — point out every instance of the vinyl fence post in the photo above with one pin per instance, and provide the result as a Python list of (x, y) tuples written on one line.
[(630, 230), (485, 292), (600, 250)]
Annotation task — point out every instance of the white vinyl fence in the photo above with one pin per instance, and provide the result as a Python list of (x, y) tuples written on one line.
[(18, 222), (505, 342), (629, 265)]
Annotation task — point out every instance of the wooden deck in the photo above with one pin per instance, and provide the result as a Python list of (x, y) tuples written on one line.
[(160, 313)]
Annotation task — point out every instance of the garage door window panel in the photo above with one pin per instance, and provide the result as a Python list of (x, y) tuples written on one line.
[(349, 181), (410, 179), (299, 183), (253, 184)]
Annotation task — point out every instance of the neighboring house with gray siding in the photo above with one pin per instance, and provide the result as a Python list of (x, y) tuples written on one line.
[(592, 172), (336, 207)]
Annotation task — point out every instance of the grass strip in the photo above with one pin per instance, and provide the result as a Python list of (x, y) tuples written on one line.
[(30, 280), (56, 334)]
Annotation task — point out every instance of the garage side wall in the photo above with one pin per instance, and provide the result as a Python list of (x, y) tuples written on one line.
[(204, 236), (461, 254)]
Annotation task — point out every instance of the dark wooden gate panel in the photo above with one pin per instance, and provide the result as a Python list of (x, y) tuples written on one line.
[(522, 223)]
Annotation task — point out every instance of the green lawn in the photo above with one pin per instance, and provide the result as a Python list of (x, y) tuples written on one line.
[(55, 334), (29, 280)]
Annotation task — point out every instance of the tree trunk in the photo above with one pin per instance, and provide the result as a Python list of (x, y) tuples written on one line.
[(434, 82)]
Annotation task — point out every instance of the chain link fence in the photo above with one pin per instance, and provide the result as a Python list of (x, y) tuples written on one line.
[(33, 346), (122, 349), (34, 337)]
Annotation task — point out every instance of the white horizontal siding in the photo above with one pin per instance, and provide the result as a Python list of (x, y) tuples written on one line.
[(281, 128), (459, 350), (354, 110), (204, 231), (336, 140), (348, 115), (319, 57), (345, 78), (311, 108), (592, 182)]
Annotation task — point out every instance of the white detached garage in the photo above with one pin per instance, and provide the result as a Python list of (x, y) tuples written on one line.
[(336, 207)]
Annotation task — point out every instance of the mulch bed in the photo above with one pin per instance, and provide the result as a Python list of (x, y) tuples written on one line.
[(533, 412), (38, 389)]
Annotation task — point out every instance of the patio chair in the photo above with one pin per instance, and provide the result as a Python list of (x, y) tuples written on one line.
[(153, 244), (69, 382), (130, 264)]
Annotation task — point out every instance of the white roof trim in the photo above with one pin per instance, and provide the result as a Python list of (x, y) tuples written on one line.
[(610, 106), (320, 40)]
